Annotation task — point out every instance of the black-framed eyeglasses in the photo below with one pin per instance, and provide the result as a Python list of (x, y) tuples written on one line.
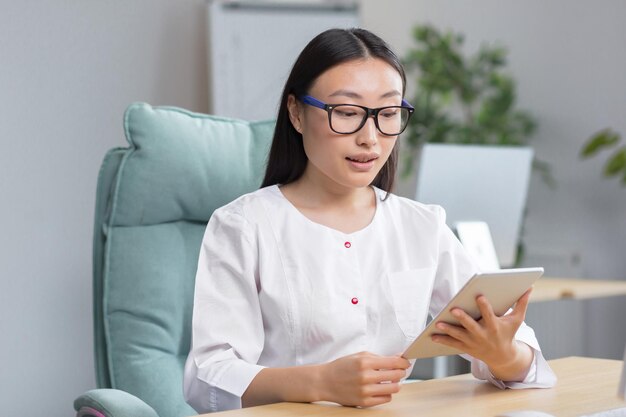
[(346, 119)]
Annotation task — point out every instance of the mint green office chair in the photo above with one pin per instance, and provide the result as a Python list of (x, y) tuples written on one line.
[(153, 201)]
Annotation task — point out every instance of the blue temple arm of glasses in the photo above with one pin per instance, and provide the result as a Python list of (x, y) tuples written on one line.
[(406, 103), (313, 102)]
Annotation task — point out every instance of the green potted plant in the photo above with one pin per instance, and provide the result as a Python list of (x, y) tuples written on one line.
[(615, 166), (469, 101), (462, 99)]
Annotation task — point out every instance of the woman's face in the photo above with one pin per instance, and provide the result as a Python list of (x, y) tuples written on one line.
[(354, 160)]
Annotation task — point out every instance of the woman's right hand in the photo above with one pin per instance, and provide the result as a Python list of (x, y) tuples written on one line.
[(363, 379)]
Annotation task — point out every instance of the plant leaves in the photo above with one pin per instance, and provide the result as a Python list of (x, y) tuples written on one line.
[(545, 171), (463, 98), (603, 139), (616, 163)]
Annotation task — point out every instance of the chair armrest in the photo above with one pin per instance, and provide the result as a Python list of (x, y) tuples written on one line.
[(111, 403)]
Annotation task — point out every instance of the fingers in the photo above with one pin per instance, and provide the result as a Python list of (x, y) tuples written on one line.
[(377, 400), (375, 390), (522, 304), (449, 341), (488, 315), (470, 331), (379, 387), (386, 362), (488, 338), (466, 320), (391, 375), (384, 369), (364, 379), (375, 394), (456, 332), (382, 378)]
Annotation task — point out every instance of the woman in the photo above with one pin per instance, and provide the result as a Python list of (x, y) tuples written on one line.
[(310, 288)]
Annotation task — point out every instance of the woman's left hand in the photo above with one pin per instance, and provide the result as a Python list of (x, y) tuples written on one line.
[(491, 338)]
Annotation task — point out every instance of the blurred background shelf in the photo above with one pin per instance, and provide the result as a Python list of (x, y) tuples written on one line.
[(550, 289)]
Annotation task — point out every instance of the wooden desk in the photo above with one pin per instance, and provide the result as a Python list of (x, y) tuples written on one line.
[(585, 386), (547, 289)]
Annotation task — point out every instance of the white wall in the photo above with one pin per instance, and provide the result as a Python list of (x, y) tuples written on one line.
[(568, 58), (68, 69)]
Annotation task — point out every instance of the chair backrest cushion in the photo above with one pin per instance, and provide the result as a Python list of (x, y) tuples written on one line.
[(180, 166)]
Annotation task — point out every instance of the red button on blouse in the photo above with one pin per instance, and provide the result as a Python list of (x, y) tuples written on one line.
[(347, 244), (355, 300)]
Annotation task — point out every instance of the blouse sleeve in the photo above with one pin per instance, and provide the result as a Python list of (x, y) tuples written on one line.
[(227, 328), (455, 268), (454, 265), (540, 375)]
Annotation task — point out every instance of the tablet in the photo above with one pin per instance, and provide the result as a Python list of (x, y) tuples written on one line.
[(502, 288)]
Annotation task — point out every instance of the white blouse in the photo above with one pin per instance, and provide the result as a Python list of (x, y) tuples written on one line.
[(275, 289)]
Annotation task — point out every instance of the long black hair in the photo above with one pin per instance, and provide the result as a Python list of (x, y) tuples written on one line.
[(287, 159)]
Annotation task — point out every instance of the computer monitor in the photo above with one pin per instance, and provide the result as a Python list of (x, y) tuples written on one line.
[(479, 183)]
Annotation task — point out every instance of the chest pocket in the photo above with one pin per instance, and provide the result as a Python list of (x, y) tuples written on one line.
[(410, 294)]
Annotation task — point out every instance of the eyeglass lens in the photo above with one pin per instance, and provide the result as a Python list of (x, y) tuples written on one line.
[(348, 119)]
